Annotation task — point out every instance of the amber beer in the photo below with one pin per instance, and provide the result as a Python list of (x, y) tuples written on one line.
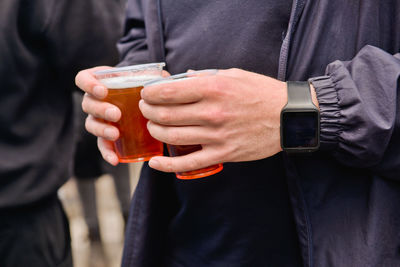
[(176, 150), (124, 85), (135, 142)]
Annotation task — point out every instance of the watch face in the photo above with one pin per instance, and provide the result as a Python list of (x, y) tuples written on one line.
[(300, 129)]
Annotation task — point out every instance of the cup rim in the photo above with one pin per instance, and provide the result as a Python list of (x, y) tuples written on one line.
[(180, 76), (131, 68)]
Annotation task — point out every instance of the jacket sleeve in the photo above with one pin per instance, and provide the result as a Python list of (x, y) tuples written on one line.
[(133, 47), (360, 111)]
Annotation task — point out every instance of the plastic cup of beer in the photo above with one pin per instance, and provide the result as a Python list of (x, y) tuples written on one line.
[(180, 150), (124, 84)]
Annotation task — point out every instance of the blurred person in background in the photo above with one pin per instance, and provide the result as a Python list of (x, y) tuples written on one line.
[(88, 166), (43, 44), (335, 206)]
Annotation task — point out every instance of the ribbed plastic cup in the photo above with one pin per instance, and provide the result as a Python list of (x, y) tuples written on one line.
[(124, 84)]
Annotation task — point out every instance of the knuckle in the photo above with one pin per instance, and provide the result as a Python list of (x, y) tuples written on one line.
[(215, 116), (219, 136), (214, 84), (77, 78), (102, 149), (225, 134), (90, 106), (88, 124), (99, 113), (207, 88), (227, 152), (169, 167), (173, 137), (154, 131), (102, 144), (94, 127), (84, 106), (93, 110), (82, 82), (192, 164), (220, 86), (164, 117), (234, 71), (167, 94)]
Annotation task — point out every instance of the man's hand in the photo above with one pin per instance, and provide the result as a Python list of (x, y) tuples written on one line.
[(99, 112), (234, 115)]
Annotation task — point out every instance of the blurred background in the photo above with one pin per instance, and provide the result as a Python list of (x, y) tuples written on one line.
[(110, 218), (96, 198)]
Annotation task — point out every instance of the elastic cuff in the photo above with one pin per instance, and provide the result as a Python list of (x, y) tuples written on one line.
[(329, 111)]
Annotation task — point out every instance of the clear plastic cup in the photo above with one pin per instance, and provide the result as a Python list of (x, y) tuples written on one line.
[(124, 85), (180, 150)]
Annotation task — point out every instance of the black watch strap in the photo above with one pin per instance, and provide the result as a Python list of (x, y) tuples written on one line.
[(299, 95)]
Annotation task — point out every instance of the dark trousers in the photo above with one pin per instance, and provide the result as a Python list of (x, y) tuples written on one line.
[(36, 236)]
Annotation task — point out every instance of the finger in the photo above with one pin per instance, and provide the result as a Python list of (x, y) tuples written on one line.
[(233, 72), (87, 82), (101, 129), (106, 148), (178, 115), (177, 92), (190, 162), (186, 135), (165, 73), (100, 109)]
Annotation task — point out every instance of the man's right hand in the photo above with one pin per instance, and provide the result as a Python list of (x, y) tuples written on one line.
[(98, 112)]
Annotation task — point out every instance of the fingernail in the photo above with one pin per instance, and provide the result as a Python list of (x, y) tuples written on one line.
[(155, 164), (110, 133), (99, 91), (112, 114)]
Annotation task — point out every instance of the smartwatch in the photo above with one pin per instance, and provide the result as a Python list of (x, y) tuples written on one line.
[(300, 120)]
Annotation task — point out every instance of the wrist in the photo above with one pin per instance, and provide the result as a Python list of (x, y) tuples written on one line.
[(314, 95)]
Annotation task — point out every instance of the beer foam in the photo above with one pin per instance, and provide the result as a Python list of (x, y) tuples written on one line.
[(127, 81)]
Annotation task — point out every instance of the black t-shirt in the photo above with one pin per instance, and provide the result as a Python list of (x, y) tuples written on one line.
[(241, 216)]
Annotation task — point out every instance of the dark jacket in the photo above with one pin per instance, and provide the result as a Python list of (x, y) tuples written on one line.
[(43, 44), (345, 197)]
